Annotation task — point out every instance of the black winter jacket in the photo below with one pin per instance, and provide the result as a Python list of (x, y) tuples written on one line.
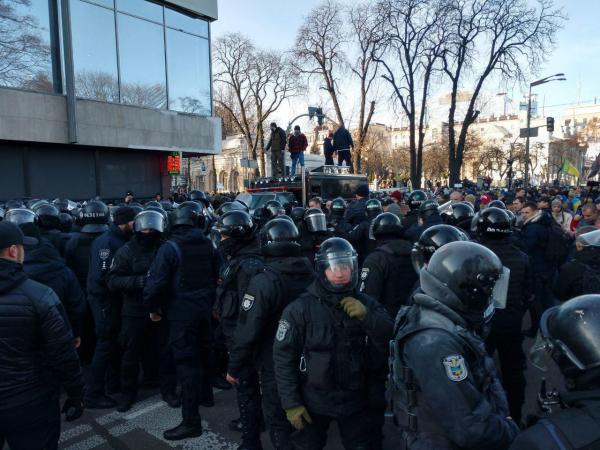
[(44, 265), (533, 239), (579, 276), (36, 343), (77, 256), (102, 251), (388, 276), (322, 356), (127, 276)]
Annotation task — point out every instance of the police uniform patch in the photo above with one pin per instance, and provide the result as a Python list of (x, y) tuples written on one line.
[(364, 274), (247, 302), (282, 330), (456, 370), (104, 254)]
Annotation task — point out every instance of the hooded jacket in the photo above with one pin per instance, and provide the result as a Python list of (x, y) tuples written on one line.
[(44, 265), (532, 240), (36, 343)]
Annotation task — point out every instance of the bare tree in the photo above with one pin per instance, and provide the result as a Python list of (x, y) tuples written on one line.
[(102, 86), (412, 34), (365, 26), (492, 36), (319, 49), (24, 53), (251, 85)]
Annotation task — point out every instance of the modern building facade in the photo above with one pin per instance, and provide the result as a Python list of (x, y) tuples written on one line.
[(95, 94)]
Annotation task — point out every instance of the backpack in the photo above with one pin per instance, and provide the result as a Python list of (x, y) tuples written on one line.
[(558, 245)]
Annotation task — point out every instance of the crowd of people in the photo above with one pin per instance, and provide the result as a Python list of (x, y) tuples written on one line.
[(335, 312)]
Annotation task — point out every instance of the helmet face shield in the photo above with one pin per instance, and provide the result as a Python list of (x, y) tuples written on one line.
[(20, 216), (316, 222), (338, 271), (418, 258), (149, 220), (500, 292)]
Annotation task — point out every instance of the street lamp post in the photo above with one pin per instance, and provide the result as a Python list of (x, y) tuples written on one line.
[(531, 85)]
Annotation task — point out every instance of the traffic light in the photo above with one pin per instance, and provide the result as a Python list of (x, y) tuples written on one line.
[(550, 124), (316, 112), (320, 116)]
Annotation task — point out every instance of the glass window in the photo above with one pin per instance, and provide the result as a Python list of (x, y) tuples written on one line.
[(94, 52), (106, 3), (179, 21), (188, 63), (25, 55), (141, 8), (142, 62)]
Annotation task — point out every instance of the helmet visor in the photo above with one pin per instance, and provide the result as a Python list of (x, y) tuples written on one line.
[(338, 272), (149, 220), (20, 216), (500, 292), (316, 223)]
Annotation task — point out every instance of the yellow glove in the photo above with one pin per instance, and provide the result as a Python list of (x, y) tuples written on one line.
[(354, 307), (295, 416)]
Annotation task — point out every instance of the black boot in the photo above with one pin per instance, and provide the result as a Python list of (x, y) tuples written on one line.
[(236, 425), (191, 426), (126, 402), (186, 429), (99, 402)]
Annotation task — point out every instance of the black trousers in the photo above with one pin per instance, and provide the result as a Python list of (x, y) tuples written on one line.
[(344, 155), (354, 430), (280, 429), (512, 366), (248, 398), (191, 342), (31, 426)]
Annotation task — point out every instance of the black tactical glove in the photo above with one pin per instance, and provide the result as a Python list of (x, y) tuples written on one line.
[(73, 409)]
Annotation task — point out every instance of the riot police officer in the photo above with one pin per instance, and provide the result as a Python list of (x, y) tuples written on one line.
[(139, 336), (239, 247), (105, 307), (445, 393), (181, 285), (337, 210), (505, 336), (570, 336), (414, 201), (285, 276), (313, 231), (387, 271), (49, 225), (432, 239), (327, 343), (460, 216), (360, 236), (429, 216)]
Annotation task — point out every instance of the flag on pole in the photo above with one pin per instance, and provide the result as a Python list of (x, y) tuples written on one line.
[(569, 168), (595, 168)]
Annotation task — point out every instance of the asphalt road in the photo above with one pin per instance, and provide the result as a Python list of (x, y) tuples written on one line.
[(143, 425)]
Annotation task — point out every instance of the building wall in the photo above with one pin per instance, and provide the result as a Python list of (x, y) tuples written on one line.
[(207, 8)]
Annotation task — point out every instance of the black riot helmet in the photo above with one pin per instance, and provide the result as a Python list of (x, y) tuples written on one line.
[(338, 207), (513, 217), (386, 226), (428, 208), (570, 335), (94, 217), (459, 212), (336, 264), (315, 220), (231, 206), (166, 205), (20, 216), (62, 204), (297, 214), (66, 222), (432, 239), (223, 208), (2, 213), (149, 220), (496, 204), (494, 223), (153, 203), (373, 207), (136, 207), (198, 196), (235, 224), (47, 216), (12, 204), (272, 209), (162, 212), (468, 278), (279, 237), (415, 199), (199, 211)]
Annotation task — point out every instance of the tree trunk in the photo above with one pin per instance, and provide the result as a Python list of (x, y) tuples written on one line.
[(261, 152)]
